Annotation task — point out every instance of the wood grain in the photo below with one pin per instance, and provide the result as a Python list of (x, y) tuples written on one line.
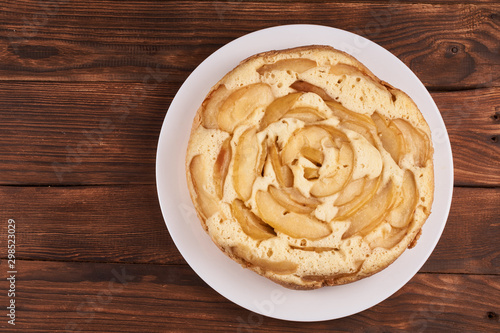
[(447, 46), (106, 133), (124, 224), (472, 119), (63, 296)]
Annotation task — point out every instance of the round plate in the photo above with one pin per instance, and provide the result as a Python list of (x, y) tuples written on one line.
[(242, 286)]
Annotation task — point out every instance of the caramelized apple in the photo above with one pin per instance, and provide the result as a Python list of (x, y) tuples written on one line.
[(401, 215), (309, 87), (284, 175), (305, 114), (241, 103), (287, 202), (389, 239), (278, 267), (371, 214), (245, 163), (390, 135), (350, 192), (296, 65), (278, 108), (221, 166), (211, 106), (290, 223), (251, 224), (206, 202), (416, 142), (348, 209), (326, 186)]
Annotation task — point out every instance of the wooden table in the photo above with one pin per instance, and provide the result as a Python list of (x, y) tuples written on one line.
[(84, 89)]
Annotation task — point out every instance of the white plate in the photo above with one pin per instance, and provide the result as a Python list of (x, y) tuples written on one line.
[(243, 286)]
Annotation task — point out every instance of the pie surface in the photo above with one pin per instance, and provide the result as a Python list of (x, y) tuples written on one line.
[(309, 170)]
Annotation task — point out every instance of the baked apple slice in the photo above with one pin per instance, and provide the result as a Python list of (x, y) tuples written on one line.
[(371, 187), (371, 214), (241, 103), (284, 175), (287, 202), (278, 108), (211, 106), (335, 182), (305, 114), (416, 142), (350, 192), (309, 87), (290, 223), (278, 267), (245, 163), (251, 224), (401, 215), (309, 136), (221, 167), (298, 65), (389, 238), (206, 202), (391, 136)]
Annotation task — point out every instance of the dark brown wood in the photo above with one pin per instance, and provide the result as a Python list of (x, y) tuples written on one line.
[(124, 224), (447, 46), (155, 298), (107, 133), (472, 119), (84, 89), (469, 243)]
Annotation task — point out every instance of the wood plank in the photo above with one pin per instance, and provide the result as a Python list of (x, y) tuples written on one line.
[(124, 224), (67, 296), (469, 243), (472, 119), (448, 46), (106, 133)]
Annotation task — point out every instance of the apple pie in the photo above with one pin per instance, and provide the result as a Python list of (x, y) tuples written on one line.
[(306, 168)]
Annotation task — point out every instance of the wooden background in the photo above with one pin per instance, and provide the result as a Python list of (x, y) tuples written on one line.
[(84, 88)]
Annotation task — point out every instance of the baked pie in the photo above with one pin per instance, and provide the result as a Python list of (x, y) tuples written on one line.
[(306, 168)]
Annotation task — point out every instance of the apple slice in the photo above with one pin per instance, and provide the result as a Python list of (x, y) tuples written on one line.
[(311, 173), (298, 197), (278, 108), (305, 114), (309, 136), (206, 202), (389, 239), (391, 137), (351, 191), (296, 65), (277, 267), (401, 215), (290, 223), (241, 103), (285, 201), (348, 209), (326, 186), (309, 87), (245, 163), (313, 155), (357, 122), (211, 106), (344, 69), (371, 214), (251, 224), (284, 175), (416, 142), (221, 167)]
